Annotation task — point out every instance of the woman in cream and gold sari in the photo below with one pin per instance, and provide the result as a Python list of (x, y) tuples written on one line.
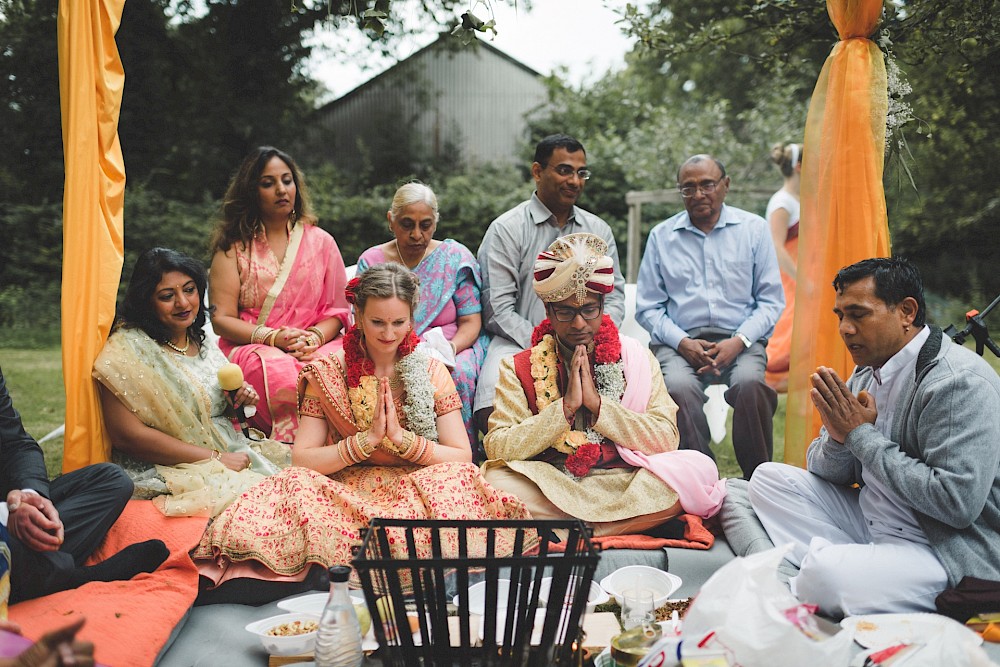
[(170, 424)]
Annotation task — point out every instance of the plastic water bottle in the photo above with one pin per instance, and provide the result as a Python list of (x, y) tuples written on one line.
[(338, 641)]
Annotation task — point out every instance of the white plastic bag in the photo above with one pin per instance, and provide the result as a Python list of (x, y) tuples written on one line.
[(949, 643), (744, 605)]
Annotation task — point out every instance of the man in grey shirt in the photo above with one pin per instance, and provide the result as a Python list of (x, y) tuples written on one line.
[(901, 496), (507, 255)]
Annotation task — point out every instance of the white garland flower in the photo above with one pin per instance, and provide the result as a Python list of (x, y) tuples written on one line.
[(610, 383), (414, 369)]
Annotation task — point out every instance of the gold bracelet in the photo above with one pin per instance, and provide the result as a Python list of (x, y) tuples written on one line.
[(319, 335), (364, 443), (419, 449), (350, 450), (344, 449), (409, 437), (269, 340), (216, 455), (260, 334)]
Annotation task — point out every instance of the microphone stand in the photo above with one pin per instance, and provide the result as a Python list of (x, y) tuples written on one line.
[(976, 327)]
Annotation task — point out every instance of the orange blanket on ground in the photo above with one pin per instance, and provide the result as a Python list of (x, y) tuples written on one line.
[(128, 621), (696, 536)]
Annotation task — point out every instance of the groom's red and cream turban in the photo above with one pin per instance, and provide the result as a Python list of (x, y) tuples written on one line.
[(574, 265)]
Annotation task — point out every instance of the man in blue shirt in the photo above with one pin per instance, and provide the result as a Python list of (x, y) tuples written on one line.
[(709, 293)]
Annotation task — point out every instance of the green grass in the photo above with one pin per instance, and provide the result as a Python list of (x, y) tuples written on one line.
[(34, 378), (725, 456)]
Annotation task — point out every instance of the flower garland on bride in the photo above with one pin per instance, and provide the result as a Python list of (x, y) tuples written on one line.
[(583, 447)]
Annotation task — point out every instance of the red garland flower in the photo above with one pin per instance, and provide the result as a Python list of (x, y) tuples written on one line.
[(356, 359), (583, 459), (607, 345), (358, 363), (540, 332), (408, 343), (351, 290)]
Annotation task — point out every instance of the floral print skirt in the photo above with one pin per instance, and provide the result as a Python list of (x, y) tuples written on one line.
[(300, 517)]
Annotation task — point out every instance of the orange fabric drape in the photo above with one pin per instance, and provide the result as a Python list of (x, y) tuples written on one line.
[(843, 204), (91, 80)]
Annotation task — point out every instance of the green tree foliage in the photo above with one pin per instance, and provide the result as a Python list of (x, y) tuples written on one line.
[(743, 52), (206, 81), (949, 222), (30, 129), (734, 51)]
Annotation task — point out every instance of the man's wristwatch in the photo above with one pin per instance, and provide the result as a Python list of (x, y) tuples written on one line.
[(743, 339)]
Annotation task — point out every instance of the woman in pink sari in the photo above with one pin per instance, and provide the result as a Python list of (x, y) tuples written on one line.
[(277, 285)]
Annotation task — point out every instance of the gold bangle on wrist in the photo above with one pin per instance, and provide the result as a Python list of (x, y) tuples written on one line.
[(364, 443), (216, 455), (320, 338), (407, 445), (423, 451), (261, 334)]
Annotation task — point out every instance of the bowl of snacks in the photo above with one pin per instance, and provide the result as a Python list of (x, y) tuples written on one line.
[(287, 634)]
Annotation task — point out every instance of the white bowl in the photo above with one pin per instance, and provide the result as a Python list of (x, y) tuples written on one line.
[(288, 645), (597, 595), (477, 596), (663, 584), (315, 603), (538, 624)]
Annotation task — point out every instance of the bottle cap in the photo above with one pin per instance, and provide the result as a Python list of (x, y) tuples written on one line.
[(340, 573)]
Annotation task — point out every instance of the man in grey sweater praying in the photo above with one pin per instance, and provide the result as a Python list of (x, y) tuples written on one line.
[(901, 496)]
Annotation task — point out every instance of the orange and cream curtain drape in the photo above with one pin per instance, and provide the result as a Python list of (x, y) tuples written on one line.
[(91, 80), (843, 203)]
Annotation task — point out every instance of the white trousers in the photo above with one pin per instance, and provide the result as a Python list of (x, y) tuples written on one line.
[(842, 568)]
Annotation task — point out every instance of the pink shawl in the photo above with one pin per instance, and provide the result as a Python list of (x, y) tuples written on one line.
[(691, 474)]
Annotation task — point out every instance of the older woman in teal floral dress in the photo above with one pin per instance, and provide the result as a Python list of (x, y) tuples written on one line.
[(449, 308)]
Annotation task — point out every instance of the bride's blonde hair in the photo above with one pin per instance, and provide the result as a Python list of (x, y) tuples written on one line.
[(385, 281)]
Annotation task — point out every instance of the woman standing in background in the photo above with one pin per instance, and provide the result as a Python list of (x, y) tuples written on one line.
[(783, 217)]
